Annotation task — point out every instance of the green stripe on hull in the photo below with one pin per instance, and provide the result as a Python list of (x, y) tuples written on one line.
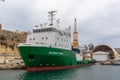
[(46, 56)]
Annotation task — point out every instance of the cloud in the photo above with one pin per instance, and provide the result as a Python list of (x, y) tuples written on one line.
[(97, 20), (102, 27)]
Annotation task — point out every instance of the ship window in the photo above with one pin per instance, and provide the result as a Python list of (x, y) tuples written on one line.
[(45, 30), (33, 31), (50, 29), (30, 38), (42, 38), (31, 56), (36, 31), (65, 40), (33, 38), (46, 37)]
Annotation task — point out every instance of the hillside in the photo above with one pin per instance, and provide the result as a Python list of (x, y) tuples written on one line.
[(9, 40)]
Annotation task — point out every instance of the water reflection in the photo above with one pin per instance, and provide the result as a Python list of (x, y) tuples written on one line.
[(95, 72), (51, 75)]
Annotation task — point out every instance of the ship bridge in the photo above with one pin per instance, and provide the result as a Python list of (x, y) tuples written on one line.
[(104, 51)]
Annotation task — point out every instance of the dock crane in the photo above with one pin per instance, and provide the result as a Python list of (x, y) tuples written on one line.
[(75, 44)]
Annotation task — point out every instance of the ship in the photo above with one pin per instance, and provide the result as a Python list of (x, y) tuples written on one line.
[(48, 47), (116, 62)]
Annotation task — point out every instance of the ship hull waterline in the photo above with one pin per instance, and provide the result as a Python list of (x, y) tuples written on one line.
[(34, 69)]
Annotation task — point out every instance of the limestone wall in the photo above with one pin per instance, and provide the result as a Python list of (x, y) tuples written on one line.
[(9, 43)]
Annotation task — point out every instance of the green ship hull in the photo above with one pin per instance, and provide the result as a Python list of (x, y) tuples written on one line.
[(47, 57), (44, 56)]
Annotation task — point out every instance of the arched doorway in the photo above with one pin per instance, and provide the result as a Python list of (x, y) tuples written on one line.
[(105, 48)]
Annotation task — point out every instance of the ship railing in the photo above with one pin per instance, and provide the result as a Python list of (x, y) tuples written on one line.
[(43, 44), (35, 44), (24, 44)]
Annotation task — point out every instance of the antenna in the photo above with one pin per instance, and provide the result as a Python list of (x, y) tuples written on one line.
[(41, 25), (51, 14), (45, 24), (36, 26), (58, 21)]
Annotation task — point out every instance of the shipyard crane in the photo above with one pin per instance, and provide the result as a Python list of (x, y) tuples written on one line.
[(75, 35), (75, 44)]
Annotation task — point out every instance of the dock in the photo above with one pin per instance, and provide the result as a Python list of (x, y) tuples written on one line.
[(11, 62), (12, 66)]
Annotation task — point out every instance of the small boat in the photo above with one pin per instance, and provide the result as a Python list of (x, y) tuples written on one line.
[(116, 62), (106, 63)]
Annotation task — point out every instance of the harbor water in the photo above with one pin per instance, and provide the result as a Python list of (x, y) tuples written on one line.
[(94, 72)]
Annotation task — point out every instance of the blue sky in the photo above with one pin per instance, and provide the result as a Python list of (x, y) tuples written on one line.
[(98, 21)]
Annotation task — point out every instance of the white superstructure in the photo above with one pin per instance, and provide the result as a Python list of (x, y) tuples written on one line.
[(50, 36)]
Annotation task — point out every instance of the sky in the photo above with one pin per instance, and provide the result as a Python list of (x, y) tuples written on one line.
[(98, 21)]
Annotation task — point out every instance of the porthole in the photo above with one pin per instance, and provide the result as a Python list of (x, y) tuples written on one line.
[(31, 56), (70, 63)]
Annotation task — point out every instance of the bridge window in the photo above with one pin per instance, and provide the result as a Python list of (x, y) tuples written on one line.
[(44, 30), (33, 38), (33, 31)]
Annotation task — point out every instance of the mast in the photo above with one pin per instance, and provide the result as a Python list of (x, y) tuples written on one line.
[(51, 15)]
